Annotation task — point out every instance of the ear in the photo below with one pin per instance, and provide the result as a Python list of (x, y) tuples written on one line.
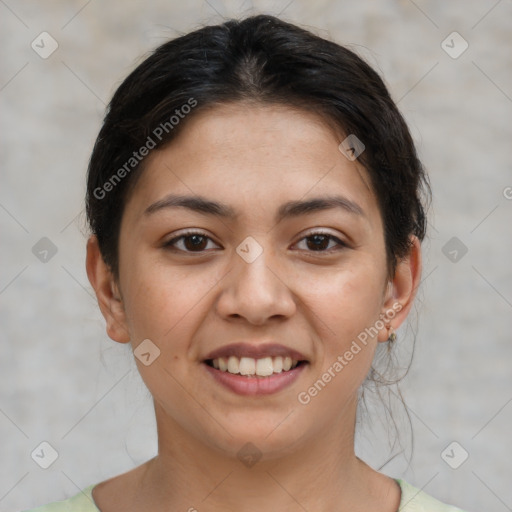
[(107, 292), (401, 290)]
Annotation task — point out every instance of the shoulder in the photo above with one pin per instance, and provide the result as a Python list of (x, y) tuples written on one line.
[(415, 500), (81, 502)]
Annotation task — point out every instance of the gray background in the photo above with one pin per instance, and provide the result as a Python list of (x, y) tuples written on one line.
[(63, 381)]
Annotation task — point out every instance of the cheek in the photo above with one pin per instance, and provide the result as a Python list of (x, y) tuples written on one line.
[(163, 302), (347, 301), (345, 305)]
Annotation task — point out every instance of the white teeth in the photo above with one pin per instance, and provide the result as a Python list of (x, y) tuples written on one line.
[(263, 367), (247, 366), (233, 364), (277, 363)]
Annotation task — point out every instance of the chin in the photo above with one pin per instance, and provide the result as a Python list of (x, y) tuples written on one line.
[(266, 437)]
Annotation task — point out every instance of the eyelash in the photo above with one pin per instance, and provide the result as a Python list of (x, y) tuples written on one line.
[(170, 244)]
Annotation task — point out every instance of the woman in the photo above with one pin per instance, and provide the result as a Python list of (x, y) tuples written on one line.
[(256, 208)]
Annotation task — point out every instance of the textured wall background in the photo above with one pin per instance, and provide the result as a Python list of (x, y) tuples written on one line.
[(63, 380)]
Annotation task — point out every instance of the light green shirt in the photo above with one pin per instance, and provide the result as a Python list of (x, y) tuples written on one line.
[(413, 500)]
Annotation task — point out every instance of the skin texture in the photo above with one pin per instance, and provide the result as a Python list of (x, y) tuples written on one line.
[(254, 159)]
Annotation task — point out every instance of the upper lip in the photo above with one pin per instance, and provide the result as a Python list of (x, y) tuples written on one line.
[(258, 351)]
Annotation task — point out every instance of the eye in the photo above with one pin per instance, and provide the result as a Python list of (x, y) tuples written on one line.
[(197, 241), (191, 241), (322, 242)]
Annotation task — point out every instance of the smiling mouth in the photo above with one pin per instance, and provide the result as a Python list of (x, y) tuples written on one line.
[(251, 367)]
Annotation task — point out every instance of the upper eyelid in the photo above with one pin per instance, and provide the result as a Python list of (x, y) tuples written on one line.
[(185, 234), (339, 240), (318, 231)]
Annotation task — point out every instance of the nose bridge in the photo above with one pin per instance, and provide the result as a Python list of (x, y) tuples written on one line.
[(257, 274), (255, 280), (253, 289)]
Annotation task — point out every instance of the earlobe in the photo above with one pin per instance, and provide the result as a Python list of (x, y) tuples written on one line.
[(107, 293), (401, 291)]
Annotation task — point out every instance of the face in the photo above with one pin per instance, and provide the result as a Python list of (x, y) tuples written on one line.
[(252, 237)]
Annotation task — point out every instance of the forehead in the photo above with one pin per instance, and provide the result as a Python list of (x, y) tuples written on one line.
[(244, 155)]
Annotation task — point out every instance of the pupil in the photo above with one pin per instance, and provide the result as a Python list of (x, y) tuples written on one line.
[(318, 242), (195, 242)]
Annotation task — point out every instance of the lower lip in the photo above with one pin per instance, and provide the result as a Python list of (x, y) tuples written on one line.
[(254, 386)]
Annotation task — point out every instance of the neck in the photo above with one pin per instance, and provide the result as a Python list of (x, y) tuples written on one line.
[(319, 473)]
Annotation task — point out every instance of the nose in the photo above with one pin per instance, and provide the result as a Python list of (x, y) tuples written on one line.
[(255, 291)]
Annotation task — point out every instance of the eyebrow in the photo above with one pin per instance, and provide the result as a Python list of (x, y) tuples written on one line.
[(287, 210)]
